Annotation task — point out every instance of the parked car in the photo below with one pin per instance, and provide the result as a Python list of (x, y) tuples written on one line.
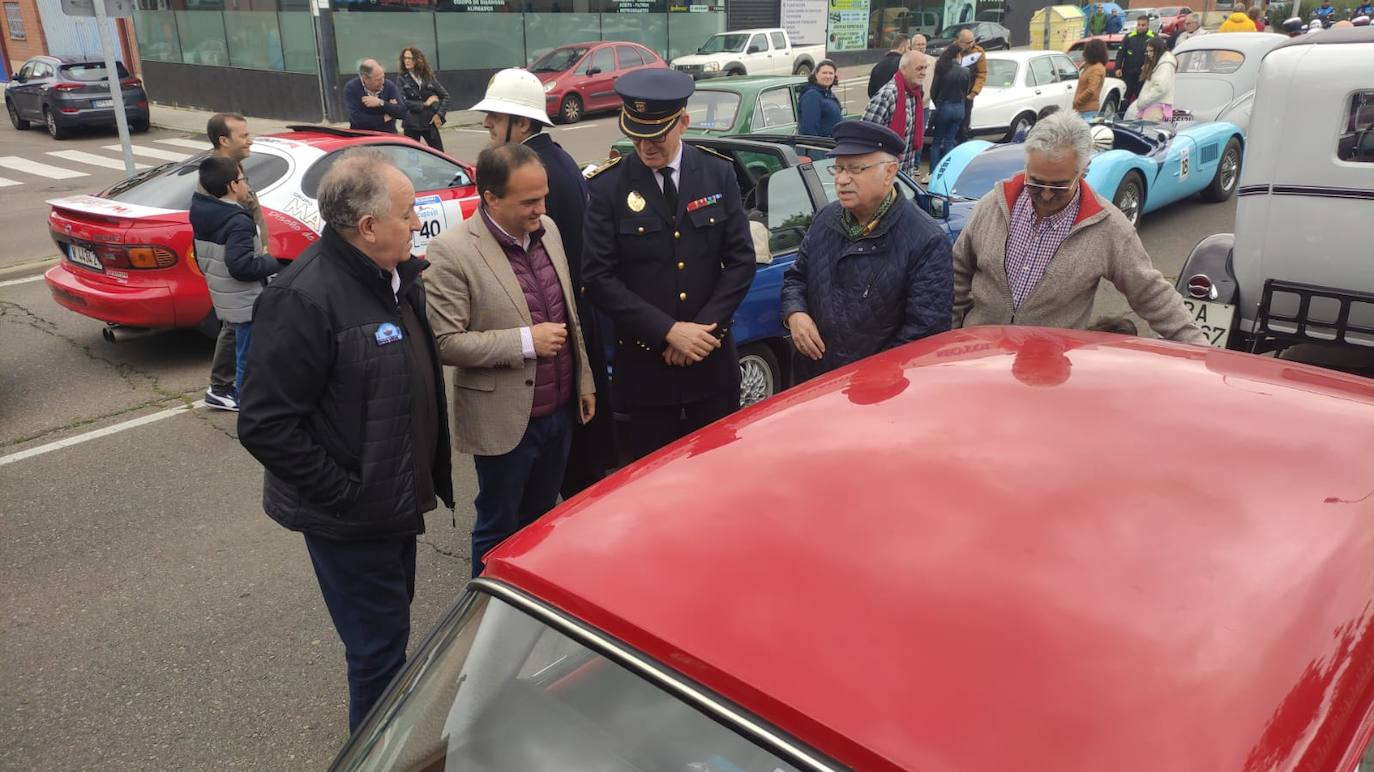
[(1113, 42), (580, 78), (990, 35), (767, 51), (1172, 17), (1217, 75), (784, 180), (1297, 268), (1146, 166), (126, 251), (1022, 83), (66, 92), (884, 23), (1135, 13), (962, 566)]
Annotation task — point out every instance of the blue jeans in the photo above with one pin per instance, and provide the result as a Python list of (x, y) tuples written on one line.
[(948, 117), (515, 489), (367, 587), (243, 335)]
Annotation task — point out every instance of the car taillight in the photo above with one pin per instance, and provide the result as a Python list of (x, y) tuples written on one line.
[(136, 257), (131, 82), (1200, 286), (191, 261), (67, 86), (142, 104)]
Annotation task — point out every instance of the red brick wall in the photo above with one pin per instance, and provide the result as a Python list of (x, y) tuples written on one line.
[(33, 44)]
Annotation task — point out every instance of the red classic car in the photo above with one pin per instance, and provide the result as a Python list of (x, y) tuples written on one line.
[(127, 250), (580, 78), (1113, 42), (1171, 18), (997, 548)]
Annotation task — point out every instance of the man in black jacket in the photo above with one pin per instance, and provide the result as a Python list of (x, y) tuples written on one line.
[(343, 405), (886, 68), (1130, 60), (515, 112)]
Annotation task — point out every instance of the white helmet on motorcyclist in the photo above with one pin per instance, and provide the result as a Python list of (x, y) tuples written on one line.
[(515, 92)]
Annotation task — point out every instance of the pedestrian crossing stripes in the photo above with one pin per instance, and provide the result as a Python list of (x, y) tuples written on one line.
[(4, 183), (38, 169), (183, 142), (92, 159), (152, 152)]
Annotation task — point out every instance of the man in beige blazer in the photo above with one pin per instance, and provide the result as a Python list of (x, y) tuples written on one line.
[(501, 305)]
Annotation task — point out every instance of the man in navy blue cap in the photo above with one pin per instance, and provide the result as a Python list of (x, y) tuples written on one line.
[(874, 271), (668, 257)]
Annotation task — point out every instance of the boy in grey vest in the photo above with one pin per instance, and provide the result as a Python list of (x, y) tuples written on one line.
[(229, 251)]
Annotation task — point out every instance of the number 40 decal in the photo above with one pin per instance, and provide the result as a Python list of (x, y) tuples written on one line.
[(429, 229)]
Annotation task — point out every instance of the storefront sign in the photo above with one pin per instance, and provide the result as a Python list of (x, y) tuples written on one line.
[(804, 21), (848, 25)]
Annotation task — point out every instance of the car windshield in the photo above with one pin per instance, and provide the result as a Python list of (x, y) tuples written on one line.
[(91, 71), (713, 110), (170, 185), (954, 30), (1001, 73), (495, 688), (720, 44), (558, 60), (1211, 61), (988, 168)]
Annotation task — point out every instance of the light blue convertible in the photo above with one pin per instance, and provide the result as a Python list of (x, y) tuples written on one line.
[(1146, 165)]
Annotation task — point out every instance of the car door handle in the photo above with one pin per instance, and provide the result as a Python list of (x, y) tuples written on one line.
[(1037, 92)]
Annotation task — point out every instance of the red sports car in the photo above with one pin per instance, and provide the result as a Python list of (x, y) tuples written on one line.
[(127, 250), (994, 549)]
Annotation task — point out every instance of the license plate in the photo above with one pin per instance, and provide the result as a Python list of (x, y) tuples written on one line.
[(83, 256), (1214, 319), (104, 103)]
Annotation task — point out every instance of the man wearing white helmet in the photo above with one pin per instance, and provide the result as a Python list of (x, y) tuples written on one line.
[(515, 108)]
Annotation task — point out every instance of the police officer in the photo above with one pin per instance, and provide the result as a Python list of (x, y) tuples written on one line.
[(668, 257), (514, 104)]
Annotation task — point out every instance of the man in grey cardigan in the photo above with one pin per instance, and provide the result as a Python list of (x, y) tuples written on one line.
[(1036, 246)]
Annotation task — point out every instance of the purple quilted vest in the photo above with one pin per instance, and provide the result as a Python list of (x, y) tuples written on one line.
[(553, 380)]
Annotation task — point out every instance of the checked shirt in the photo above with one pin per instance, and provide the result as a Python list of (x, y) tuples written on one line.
[(880, 110), (1032, 241)]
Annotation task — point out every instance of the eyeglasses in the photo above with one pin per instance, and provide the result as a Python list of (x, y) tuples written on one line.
[(656, 141), (854, 171), (1054, 191)]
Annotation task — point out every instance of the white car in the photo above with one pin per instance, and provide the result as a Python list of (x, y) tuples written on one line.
[(1217, 75), (767, 51), (1022, 83)]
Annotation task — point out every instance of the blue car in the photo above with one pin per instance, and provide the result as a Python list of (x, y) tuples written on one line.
[(1140, 166), (785, 180)]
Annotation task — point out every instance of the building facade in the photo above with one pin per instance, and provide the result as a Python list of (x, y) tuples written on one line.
[(39, 27)]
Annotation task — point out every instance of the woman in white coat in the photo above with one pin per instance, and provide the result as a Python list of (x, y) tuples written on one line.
[(1156, 100)]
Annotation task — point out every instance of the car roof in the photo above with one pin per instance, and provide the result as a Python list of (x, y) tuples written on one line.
[(1067, 549), (1332, 37), (761, 81), (1241, 42), (330, 138), (64, 60)]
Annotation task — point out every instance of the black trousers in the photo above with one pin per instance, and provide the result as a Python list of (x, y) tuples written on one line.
[(430, 134), (652, 427), (367, 587), (963, 135), (223, 367)]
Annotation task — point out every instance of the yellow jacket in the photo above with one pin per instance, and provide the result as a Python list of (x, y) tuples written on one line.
[(1237, 22)]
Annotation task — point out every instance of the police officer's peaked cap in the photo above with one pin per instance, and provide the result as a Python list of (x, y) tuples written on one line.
[(863, 137), (654, 99)]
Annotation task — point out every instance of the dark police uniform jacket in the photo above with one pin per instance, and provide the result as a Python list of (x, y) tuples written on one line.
[(650, 268)]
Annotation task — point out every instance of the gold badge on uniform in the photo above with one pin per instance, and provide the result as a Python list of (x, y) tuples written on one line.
[(635, 201)]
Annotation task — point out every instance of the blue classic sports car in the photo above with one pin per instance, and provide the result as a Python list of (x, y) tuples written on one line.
[(1139, 165)]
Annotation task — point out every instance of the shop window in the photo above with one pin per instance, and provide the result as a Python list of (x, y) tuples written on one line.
[(1356, 141), (689, 25), (647, 29), (547, 31), (477, 41), (157, 33), (14, 19), (363, 35), (202, 37), (298, 41), (254, 40)]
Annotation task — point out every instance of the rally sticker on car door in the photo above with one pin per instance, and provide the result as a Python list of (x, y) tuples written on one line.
[(1182, 164), (433, 221)]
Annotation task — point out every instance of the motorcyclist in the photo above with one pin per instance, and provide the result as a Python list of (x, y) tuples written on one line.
[(1325, 13)]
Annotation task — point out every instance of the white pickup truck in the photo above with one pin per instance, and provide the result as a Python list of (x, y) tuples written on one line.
[(750, 52)]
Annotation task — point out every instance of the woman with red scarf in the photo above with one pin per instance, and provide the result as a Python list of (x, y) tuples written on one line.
[(900, 106)]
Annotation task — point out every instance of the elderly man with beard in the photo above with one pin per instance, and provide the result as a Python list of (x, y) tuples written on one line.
[(874, 271)]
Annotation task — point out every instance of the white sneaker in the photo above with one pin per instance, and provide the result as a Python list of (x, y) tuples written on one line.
[(228, 402), (925, 179)]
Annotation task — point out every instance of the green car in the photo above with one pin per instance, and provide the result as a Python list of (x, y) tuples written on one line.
[(759, 104)]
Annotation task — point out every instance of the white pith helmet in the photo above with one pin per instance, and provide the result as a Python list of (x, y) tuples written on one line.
[(515, 92)]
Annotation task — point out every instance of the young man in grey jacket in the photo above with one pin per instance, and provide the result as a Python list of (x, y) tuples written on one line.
[(1037, 245)]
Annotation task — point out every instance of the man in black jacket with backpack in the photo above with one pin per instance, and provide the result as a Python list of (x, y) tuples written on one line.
[(343, 405)]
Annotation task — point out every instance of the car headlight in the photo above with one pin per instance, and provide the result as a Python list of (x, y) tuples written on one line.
[(711, 66), (548, 87)]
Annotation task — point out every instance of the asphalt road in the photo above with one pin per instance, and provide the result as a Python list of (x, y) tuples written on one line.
[(155, 617)]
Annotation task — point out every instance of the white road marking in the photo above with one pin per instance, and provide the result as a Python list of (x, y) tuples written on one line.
[(4, 183), (152, 152), (26, 280), (98, 433), (82, 157), (42, 170), (182, 142), (474, 131)]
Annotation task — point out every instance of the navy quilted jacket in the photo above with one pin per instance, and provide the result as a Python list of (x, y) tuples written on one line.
[(893, 286)]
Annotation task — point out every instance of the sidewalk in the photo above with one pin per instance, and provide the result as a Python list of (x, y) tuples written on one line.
[(192, 121)]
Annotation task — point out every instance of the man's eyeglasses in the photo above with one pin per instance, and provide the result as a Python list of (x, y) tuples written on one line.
[(856, 170), (656, 141), (1054, 191)]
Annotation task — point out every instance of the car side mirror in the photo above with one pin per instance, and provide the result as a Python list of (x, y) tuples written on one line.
[(19, 78), (937, 208), (754, 50), (593, 70)]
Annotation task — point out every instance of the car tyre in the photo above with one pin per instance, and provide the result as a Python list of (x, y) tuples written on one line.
[(1022, 122), (56, 131), (1110, 106), (139, 126), (803, 69), (570, 111), (734, 72), (760, 375), (19, 123), (1228, 174), (1130, 197)]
